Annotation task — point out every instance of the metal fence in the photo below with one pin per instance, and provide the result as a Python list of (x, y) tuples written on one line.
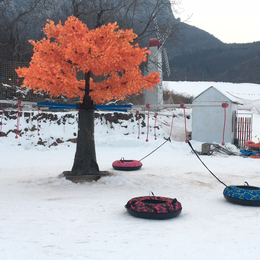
[(10, 88), (8, 74)]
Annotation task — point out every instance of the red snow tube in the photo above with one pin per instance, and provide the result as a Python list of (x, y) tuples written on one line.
[(126, 165), (252, 144), (153, 207)]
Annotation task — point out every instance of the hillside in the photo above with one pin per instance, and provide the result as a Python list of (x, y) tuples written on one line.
[(247, 71), (199, 56)]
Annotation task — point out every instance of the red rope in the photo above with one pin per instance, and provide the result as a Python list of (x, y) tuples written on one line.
[(250, 128), (245, 130), (147, 106), (18, 118), (224, 105), (184, 114), (38, 127), (240, 132), (2, 120), (163, 123), (223, 143), (156, 114), (138, 117), (171, 126)]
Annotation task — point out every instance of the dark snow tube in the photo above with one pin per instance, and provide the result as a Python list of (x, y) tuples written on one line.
[(127, 165), (153, 207), (243, 195)]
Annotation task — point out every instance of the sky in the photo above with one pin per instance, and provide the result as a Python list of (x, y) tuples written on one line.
[(228, 20)]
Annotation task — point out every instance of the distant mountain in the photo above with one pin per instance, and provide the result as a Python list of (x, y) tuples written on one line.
[(248, 71), (191, 39), (199, 56)]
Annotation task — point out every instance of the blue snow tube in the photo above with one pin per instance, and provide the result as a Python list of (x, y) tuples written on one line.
[(243, 195)]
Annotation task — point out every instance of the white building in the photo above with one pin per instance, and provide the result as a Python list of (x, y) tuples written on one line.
[(208, 117)]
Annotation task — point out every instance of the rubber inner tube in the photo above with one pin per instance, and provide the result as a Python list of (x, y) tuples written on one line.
[(154, 207), (127, 165), (248, 187), (244, 195)]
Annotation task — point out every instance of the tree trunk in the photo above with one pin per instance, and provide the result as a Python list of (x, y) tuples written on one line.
[(85, 167), (85, 162), (85, 158)]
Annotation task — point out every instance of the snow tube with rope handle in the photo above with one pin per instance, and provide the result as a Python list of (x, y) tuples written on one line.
[(243, 195), (153, 207), (126, 165)]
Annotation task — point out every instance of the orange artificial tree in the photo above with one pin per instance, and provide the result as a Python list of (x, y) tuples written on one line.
[(105, 53)]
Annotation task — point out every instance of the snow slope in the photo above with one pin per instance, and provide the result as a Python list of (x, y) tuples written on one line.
[(248, 91)]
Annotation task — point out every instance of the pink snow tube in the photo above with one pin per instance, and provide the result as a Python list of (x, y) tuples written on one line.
[(126, 165)]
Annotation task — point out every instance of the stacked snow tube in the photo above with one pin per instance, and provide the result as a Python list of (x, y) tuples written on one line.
[(126, 165), (243, 195), (153, 207)]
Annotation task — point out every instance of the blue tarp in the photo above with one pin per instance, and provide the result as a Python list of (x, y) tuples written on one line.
[(248, 153)]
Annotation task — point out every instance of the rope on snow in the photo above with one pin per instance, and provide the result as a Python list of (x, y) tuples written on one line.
[(205, 164), (168, 139)]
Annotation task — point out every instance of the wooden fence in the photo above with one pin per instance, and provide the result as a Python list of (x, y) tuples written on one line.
[(243, 130)]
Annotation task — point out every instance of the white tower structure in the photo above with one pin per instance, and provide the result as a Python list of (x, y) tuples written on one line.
[(155, 97)]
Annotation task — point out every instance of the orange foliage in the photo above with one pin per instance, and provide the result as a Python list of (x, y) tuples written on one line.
[(106, 51)]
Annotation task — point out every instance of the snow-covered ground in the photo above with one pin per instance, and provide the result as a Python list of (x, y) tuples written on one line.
[(44, 216), (248, 91)]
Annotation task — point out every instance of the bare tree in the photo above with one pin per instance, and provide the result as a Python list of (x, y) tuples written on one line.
[(22, 20), (18, 22), (14, 17), (135, 14)]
